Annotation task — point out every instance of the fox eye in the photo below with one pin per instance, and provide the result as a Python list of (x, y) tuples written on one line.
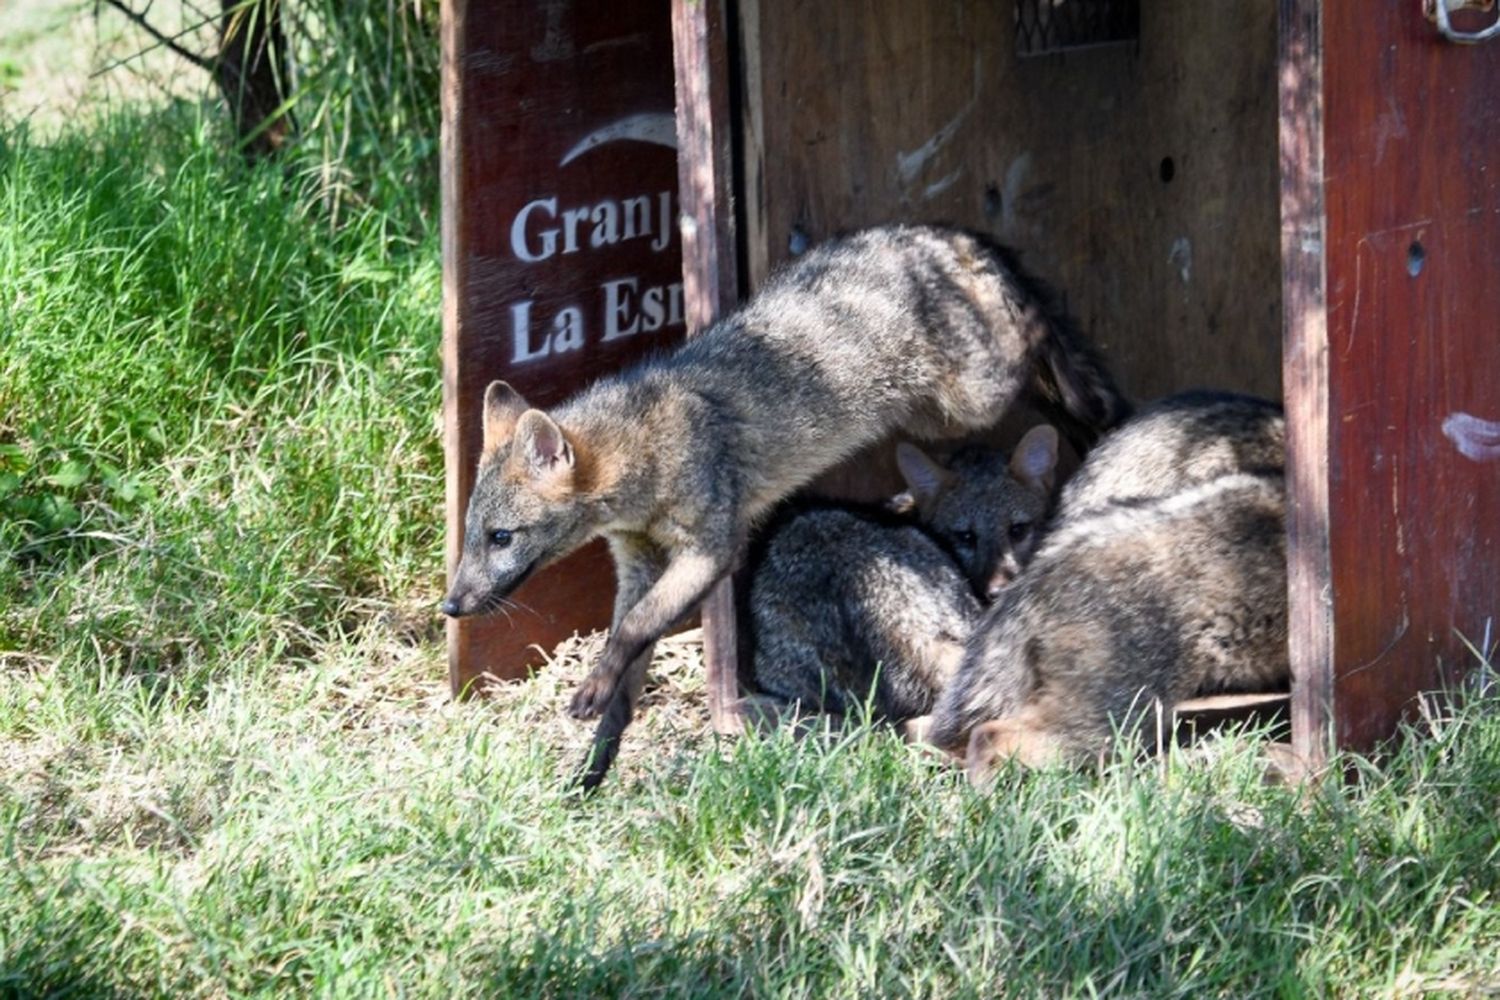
[(1020, 530), (500, 538), (965, 538)]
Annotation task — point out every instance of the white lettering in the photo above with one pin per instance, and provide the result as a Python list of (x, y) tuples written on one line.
[(664, 233), (540, 226), (674, 300), (637, 217), (606, 217), (518, 242), (571, 218), (520, 335), (567, 330), (620, 319), (652, 310)]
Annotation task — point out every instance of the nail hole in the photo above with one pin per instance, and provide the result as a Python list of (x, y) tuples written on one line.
[(992, 201), (1416, 256), (1168, 170)]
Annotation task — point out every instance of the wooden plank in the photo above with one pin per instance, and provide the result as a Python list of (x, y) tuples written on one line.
[(1411, 134), (550, 108), (709, 267), (1305, 324), (1195, 717), (883, 110), (1141, 180)]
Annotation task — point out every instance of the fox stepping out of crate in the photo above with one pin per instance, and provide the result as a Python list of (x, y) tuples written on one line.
[(925, 330), (1163, 577)]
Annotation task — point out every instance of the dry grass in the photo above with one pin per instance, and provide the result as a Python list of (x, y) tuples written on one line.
[(57, 58), (672, 724)]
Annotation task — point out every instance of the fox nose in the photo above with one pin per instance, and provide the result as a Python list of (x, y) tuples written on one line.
[(450, 607), (998, 582)]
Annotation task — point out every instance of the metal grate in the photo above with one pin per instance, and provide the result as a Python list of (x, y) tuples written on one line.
[(1044, 26)]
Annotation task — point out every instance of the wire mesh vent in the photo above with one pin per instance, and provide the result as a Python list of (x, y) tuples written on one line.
[(1044, 26)]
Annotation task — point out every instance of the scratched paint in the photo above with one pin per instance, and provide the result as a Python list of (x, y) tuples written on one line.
[(1475, 439), (656, 127), (1181, 257), (909, 166), (937, 187)]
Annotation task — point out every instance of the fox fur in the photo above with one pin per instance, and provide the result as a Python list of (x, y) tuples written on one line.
[(919, 329), (852, 605), (1162, 578)]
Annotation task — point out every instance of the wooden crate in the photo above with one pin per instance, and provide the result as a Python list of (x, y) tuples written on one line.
[(1295, 200)]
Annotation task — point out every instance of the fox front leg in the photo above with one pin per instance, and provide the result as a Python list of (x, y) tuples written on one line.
[(681, 586)]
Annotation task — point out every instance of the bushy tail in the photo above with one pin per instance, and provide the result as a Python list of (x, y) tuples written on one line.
[(1070, 375)]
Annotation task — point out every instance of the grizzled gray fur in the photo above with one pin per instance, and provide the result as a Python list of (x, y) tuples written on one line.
[(852, 605), (1174, 443), (1137, 597), (924, 330)]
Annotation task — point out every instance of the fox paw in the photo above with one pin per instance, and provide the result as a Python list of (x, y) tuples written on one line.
[(590, 699)]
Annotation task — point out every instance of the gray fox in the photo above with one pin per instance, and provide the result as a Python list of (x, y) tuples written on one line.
[(925, 330), (1176, 442), (850, 604), (1158, 580), (988, 513)]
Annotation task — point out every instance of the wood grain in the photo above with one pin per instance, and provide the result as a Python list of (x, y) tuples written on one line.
[(1305, 326), (709, 267), (1411, 187), (880, 110), (524, 84)]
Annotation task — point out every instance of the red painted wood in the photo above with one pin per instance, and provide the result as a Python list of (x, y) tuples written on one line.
[(527, 89), (1411, 147)]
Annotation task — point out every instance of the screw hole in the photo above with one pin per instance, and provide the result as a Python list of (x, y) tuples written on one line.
[(992, 202), (1168, 169), (1416, 256)]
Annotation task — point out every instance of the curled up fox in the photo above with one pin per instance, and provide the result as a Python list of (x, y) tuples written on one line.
[(928, 331)]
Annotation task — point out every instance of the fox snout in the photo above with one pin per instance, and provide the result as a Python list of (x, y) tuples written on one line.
[(461, 600), (1004, 575), (477, 591)]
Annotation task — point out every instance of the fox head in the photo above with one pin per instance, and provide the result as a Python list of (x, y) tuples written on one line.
[(525, 510), (988, 513)]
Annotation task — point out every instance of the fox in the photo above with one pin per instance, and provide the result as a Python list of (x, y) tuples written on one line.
[(851, 604), (987, 512), (1159, 579), (929, 331), (1178, 441)]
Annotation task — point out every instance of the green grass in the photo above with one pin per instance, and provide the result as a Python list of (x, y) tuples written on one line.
[(228, 765)]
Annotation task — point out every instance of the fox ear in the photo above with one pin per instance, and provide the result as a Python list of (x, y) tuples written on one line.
[(924, 477), (503, 406), (540, 444), (1035, 457)]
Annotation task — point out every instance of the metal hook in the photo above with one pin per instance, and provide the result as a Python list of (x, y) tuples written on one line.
[(1437, 11)]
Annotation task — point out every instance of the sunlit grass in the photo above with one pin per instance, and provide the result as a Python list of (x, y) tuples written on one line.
[(228, 764)]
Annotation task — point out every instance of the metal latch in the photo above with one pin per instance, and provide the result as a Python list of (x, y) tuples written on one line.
[(1437, 12)]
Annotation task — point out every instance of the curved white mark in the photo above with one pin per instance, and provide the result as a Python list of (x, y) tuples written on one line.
[(910, 165), (656, 127), (937, 187), (1180, 256), (1474, 438)]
